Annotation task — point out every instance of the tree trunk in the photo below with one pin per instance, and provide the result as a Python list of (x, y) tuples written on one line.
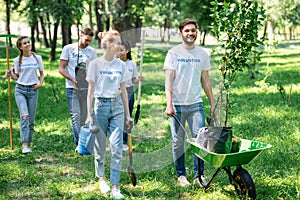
[(203, 38), (291, 33), (49, 28), (162, 35), (37, 32), (53, 45), (7, 27), (107, 19), (98, 10), (32, 29), (91, 16), (44, 31), (66, 33)]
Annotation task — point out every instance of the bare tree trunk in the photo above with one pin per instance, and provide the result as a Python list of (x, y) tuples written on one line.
[(44, 31), (7, 27), (203, 38), (98, 10), (53, 45), (37, 31), (107, 12), (90, 16), (161, 33), (66, 33), (32, 29), (49, 29), (291, 33)]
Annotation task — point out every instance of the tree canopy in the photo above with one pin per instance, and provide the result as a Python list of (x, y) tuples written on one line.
[(124, 15)]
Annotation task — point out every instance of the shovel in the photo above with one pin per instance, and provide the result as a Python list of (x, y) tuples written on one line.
[(138, 108), (130, 169), (7, 36)]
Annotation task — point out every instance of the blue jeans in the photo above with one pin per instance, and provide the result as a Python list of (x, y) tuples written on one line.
[(194, 115), (109, 114), (77, 102), (131, 104), (26, 99)]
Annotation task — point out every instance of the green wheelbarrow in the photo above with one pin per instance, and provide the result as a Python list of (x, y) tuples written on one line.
[(240, 178)]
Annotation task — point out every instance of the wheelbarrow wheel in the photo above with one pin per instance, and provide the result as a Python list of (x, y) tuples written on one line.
[(244, 183)]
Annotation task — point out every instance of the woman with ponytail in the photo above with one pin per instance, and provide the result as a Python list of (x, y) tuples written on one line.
[(125, 56), (107, 76), (25, 74)]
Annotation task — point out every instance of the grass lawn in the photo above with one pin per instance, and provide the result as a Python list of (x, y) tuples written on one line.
[(264, 109)]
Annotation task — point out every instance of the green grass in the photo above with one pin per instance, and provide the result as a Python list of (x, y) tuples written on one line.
[(258, 112)]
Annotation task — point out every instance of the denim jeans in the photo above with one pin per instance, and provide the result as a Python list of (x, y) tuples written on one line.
[(77, 102), (26, 99), (110, 117), (130, 93), (194, 115)]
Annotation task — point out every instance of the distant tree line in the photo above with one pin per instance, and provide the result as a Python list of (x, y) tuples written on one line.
[(129, 16)]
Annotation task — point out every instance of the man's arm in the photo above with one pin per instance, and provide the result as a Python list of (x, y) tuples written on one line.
[(168, 89), (206, 84), (62, 70)]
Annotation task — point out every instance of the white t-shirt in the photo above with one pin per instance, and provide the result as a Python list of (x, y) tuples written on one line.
[(28, 73), (107, 76), (131, 67), (188, 66), (70, 53)]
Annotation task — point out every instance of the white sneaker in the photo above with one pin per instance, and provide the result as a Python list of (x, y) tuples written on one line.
[(26, 150), (104, 188), (182, 181), (116, 194), (125, 147)]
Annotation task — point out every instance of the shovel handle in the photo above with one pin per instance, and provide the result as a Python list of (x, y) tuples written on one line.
[(129, 142)]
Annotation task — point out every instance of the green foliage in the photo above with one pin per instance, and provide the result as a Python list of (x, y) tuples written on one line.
[(236, 28)]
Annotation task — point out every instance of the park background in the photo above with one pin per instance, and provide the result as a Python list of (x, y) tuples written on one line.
[(264, 108)]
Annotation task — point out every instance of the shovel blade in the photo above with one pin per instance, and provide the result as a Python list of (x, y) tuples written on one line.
[(132, 175), (137, 114)]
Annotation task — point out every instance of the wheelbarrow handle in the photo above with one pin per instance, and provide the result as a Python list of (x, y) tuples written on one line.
[(183, 128)]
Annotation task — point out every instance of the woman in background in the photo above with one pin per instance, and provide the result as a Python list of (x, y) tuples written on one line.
[(24, 72), (125, 55)]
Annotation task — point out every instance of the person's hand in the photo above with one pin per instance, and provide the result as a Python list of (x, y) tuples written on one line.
[(10, 73), (128, 125), (37, 86), (128, 122), (170, 110), (140, 78), (75, 84), (89, 119)]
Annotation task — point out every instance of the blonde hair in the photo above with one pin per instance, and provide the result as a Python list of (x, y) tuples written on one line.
[(108, 36)]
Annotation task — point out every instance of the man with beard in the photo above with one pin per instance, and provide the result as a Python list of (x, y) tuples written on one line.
[(73, 64), (186, 67)]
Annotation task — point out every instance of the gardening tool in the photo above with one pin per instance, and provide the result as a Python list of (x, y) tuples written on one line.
[(8, 88), (137, 113), (130, 169)]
